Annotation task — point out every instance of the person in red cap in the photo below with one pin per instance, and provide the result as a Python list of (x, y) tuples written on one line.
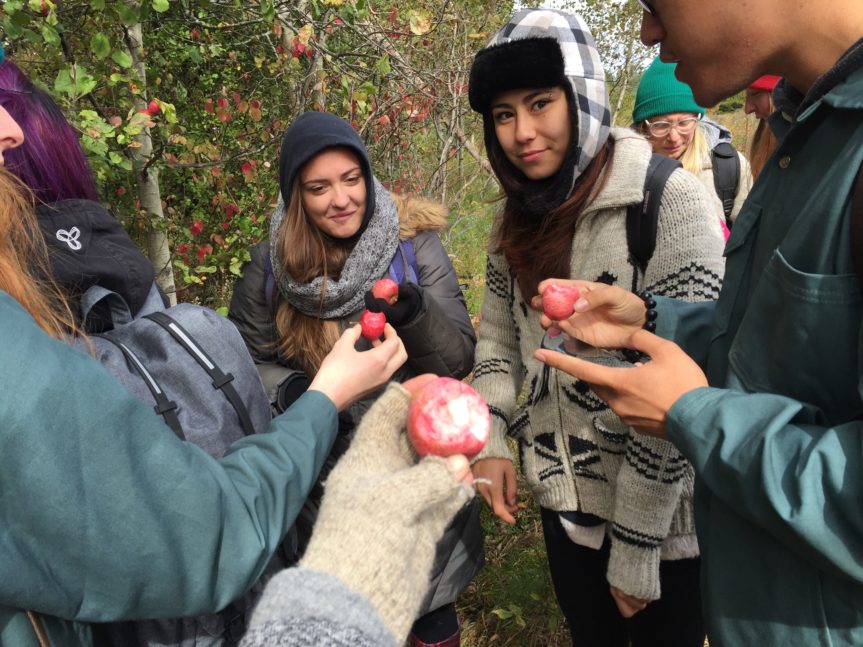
[(759, 102)]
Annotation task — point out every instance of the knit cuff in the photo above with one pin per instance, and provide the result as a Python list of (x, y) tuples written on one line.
[(633, 565)]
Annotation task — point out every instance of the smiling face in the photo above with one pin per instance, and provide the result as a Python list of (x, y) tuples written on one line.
[(333, 191), (719, 46), (533, 128), (674, 143), (11, 134)]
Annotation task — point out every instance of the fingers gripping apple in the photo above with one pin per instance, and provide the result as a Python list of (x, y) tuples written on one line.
[(446, 417)]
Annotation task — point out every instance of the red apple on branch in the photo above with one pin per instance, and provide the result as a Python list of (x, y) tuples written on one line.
[(446, 417)]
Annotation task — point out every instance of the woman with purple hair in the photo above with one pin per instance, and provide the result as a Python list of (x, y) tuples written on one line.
[(87, 244)]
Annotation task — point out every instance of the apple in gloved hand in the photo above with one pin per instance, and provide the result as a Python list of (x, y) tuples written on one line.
[(447, 416), (386, 289)]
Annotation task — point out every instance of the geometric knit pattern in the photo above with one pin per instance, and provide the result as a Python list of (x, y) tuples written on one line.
[(575, 454)]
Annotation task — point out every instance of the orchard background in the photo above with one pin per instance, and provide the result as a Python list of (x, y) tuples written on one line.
[(181, 105)]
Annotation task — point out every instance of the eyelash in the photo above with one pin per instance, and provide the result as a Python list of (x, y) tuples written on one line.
[(535, 107)]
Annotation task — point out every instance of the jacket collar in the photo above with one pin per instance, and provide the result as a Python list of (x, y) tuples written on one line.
[(623, 179)]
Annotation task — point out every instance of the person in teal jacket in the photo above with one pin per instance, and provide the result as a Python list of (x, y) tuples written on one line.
[(104, 513), (762, 389)]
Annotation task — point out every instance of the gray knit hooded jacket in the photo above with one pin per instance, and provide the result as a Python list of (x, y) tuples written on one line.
[(576, 455)]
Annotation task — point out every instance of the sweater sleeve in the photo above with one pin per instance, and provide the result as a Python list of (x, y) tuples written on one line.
[(307, 607), (498, 372), (107, 515), (441, 338), (687, 265)]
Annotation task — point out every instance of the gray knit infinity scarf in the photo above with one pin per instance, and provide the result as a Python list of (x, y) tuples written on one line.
[(368, 261)]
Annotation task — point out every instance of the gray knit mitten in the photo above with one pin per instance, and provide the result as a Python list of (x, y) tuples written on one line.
[(382, 515)]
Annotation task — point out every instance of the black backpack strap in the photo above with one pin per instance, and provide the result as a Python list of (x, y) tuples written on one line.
[(726, 176), (642, 217), (857, 227), (221, 381), (165, 407)]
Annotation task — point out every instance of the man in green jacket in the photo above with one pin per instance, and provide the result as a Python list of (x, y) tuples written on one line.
[(106, 515), (762, 389)]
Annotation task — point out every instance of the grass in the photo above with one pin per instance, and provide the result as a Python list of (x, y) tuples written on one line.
[(511, 601)]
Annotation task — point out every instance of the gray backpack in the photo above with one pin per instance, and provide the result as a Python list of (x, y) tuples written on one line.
[(191, 365)]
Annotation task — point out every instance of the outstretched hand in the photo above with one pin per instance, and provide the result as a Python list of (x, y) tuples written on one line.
[(642, 395), (346, 374)]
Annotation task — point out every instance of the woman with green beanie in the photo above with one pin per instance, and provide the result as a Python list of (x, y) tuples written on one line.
[(666, 113)]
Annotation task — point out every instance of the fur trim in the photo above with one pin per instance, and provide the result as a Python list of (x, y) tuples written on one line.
[(419, 214), (524, 63)]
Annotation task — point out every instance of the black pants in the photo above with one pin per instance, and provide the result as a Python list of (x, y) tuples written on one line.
[(580, 584)]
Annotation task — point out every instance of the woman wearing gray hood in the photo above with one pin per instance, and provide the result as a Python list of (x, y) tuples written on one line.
[(334, 233), (616, 507)]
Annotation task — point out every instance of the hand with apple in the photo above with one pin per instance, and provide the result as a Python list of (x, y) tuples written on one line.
[(346, 374), (400, 303), (381, 516)]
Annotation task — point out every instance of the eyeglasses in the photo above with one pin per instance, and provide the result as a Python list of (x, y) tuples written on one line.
[(662, 128), (647, 7)]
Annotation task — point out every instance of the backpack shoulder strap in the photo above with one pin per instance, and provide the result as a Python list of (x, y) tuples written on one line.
[(403, 266), (641, 217), (726, 176), (857, 227), (221, 381)]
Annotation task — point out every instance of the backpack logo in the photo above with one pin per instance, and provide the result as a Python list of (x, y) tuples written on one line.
[(70, 237)]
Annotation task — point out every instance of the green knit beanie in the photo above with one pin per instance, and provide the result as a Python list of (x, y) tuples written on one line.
[(660, 93)]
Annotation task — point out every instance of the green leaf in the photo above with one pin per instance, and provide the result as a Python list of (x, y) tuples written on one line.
[(50, 35), (97, 5), (121, 58), (268, 10), (161, 5), (383, 65), (222, 310), (74, 81), (128, 15), (99, 45)]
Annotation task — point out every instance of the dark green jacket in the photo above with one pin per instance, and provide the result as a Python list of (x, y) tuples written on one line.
[(105, 514), (777, 440)]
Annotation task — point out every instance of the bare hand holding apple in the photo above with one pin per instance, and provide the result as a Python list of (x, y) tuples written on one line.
[(447, 416), (372, 324)]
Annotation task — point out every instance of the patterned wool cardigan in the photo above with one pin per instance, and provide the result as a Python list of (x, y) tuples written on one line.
[(575, 453)]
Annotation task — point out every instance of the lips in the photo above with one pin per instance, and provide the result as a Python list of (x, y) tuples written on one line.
[(531, 156), (344, 215)]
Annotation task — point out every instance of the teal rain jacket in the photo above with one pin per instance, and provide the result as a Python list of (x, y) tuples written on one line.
[(105, 515), (778, 443)]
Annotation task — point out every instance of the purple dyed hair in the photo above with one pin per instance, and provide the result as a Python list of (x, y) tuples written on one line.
[(50, 161)]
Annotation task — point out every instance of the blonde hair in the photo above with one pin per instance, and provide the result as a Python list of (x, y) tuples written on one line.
[(692, 158), (761, 148), (24, 269), (306, 254)]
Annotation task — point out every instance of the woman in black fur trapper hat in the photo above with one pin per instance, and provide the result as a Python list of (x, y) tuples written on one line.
[(616, 507)]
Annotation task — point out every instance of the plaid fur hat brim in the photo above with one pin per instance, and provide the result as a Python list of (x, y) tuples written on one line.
[(529, 63)]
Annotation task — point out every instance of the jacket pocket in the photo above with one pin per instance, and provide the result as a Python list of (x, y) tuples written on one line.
[(799, 338)]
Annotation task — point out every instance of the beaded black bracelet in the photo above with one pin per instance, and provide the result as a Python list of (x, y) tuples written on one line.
[(650, 315)]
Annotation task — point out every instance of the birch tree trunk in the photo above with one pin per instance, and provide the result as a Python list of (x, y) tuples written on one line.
[(147, 173)]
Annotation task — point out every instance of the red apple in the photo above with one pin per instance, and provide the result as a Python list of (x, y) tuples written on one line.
[(386, 289), (153, 108), (558, 301), (446, 417), (372, 324)]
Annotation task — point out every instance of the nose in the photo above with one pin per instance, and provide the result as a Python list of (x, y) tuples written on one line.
[(11, 134), (749, 106), (673, 136), (652, 31), (341, 198), (525, 130)]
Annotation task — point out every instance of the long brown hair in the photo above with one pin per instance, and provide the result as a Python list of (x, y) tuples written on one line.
[(24, 273), (540, 250), (306, 254)]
